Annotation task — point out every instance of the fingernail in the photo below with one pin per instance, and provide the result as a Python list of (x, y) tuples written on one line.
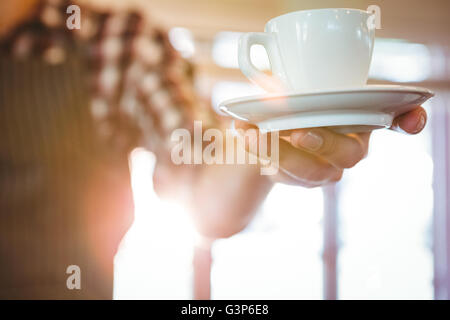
[(421, 123), (310, 141)]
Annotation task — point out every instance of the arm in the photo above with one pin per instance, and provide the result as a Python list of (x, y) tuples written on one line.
[(223, 198), (226, 198)]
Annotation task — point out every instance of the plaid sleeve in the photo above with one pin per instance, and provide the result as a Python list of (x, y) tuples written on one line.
[(141, 88)]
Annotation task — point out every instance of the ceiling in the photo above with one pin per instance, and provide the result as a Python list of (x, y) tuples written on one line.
[(415, 20), (426, 22)]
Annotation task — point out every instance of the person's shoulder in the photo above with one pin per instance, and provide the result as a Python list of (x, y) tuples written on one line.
[(62, 21)]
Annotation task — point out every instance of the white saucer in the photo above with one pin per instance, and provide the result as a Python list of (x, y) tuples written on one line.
[(346, 110)]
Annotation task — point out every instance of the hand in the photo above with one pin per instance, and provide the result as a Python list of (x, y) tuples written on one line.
[(317, 156)]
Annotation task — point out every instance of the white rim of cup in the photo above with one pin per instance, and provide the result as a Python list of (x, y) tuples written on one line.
[(317, 10)]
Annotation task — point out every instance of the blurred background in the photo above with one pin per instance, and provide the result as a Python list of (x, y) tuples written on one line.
[(381, 233)]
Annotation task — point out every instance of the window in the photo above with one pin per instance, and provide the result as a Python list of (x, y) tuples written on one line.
[(385, 215)]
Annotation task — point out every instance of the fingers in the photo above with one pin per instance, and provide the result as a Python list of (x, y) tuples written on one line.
[(315, 156), (342, 151), (297, 166), (300, 167), (411, 122)]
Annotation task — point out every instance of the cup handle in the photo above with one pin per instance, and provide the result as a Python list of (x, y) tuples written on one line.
[(246, 41)]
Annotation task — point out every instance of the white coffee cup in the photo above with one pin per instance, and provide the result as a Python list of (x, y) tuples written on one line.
[(312, 50)]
